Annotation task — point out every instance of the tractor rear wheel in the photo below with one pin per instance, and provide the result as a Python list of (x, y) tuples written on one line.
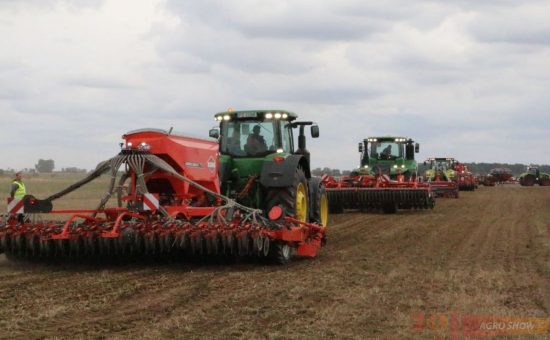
[(319, 202), (294, 200)]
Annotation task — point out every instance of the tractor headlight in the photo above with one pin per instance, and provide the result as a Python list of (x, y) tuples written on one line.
[(144, 146), (285, 116), (366, 167), (226, 117), (129, 145), (395, 166), (403, 166), (278, 115), (268, 115), (219, 118)]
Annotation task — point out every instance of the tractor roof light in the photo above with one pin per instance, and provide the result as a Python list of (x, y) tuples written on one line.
[(226, 117), (395, 166), (366, 166), (372, 140), (285, 116), (268, 115), (219, 118), (403, 166), (278, 115)]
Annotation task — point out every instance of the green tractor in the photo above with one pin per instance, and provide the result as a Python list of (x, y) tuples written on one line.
[(393, 156), (261, 167), (442, 167), (533, 176)]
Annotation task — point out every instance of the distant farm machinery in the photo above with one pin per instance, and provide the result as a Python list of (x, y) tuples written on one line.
[(442, 176), (533, 176), (170, 200), (386, 179)]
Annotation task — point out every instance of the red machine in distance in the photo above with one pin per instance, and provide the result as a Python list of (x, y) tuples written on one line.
[(367, 192), (170, 205), (465, 179)]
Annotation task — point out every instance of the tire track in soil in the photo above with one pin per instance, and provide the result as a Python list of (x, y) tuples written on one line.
[(486, 252)]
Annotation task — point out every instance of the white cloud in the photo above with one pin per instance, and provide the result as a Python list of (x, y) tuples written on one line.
[(464, 78)]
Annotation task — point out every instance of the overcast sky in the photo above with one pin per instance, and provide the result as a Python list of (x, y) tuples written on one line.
[(464, 78)]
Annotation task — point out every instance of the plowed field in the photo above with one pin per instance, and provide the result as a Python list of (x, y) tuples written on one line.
[(486, 253)]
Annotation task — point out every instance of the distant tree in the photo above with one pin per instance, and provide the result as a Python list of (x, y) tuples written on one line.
[(45, 165)]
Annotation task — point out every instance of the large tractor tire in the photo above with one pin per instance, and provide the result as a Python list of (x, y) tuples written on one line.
[(318, 212), (294, 200), (544, 181), (528, 180)]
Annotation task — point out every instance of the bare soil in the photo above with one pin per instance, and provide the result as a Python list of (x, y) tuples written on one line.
[(486, 253)]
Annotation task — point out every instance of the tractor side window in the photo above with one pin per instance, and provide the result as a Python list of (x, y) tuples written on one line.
[(232, 139), (286, 136)]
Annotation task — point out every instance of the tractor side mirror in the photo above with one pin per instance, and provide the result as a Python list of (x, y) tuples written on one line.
[(315, 131), (360, 147), (417, 148), (214, 133)]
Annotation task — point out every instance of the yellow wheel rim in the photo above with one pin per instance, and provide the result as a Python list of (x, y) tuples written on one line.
[(323, 210), (301, 203)]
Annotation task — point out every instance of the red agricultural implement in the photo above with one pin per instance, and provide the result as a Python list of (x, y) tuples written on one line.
[(168, 202), (501, 175), (367, 192), (442, 176), (465, 179)]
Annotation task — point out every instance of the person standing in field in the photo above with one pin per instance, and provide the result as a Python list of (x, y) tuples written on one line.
[(18, 190)]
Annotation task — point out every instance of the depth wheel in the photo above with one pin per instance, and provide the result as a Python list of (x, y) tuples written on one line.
[(279, 252)]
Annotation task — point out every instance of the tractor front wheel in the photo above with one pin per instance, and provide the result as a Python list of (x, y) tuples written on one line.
[(528, 181)]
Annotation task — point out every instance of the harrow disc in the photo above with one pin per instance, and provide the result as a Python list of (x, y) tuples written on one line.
[(386, 199)]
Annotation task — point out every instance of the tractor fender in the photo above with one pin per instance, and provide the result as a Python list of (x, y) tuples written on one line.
[(281, 174)]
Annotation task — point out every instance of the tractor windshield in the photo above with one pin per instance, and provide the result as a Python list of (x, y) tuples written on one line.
[(386, 150), (252, 138)]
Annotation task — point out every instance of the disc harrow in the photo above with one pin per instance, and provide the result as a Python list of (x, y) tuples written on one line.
[(369, 193)]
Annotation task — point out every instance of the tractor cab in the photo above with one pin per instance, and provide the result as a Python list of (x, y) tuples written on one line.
[(261, 166), (256, 134), (389, 155)]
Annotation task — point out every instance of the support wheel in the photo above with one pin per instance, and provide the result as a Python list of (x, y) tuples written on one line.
[(279, 252)]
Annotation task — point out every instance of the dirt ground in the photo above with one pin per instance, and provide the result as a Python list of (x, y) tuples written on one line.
[(487, 253)]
